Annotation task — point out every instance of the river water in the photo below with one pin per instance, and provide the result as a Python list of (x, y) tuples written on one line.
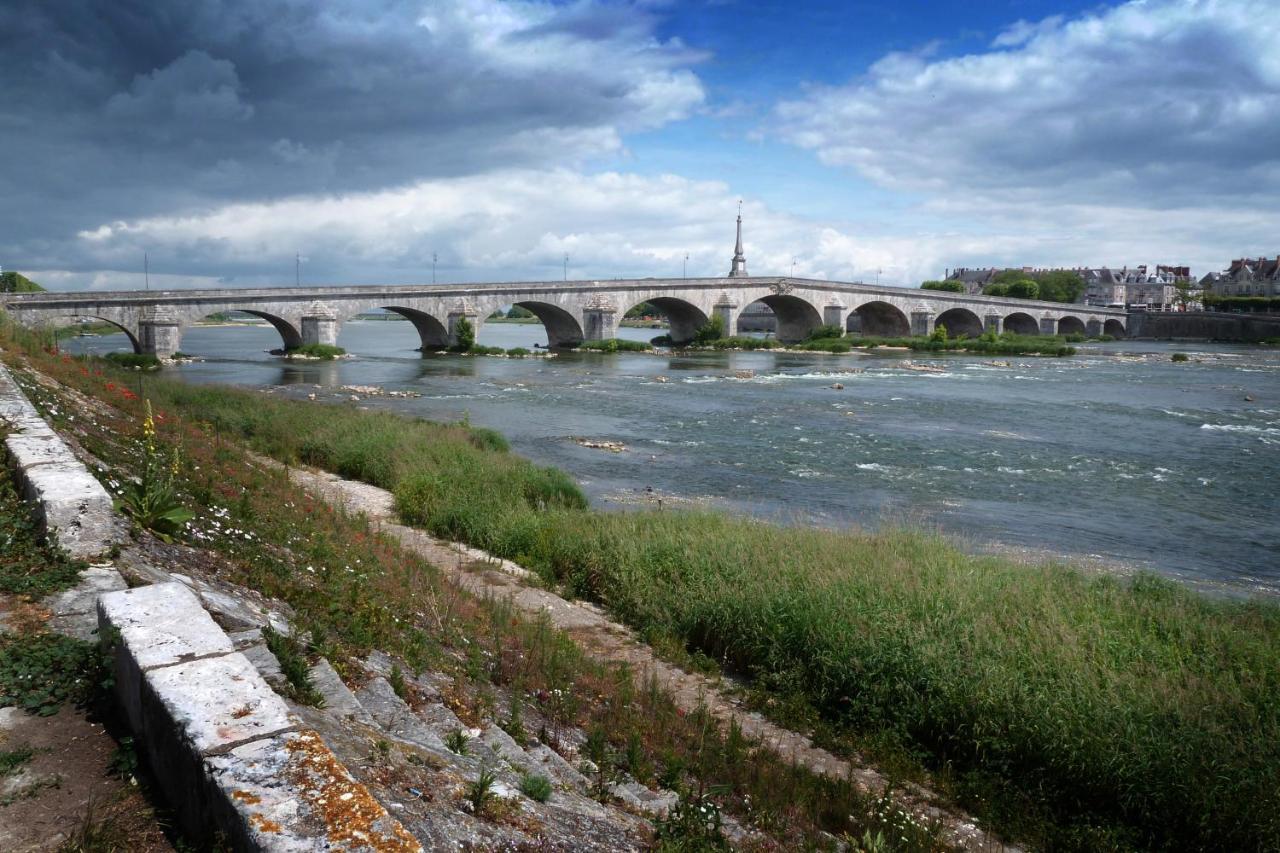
[(1116, 456)]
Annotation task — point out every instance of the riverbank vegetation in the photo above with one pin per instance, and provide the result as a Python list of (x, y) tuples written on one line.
[(988, 343), (324, 352), (353, 589), (1067, 709)]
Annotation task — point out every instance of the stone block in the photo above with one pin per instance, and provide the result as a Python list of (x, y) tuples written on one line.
[(290, 793), (74, 509), (217, 703), (157, 625)]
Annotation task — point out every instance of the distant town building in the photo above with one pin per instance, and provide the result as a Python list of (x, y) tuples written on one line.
[(1128, 286), (1245, 277)]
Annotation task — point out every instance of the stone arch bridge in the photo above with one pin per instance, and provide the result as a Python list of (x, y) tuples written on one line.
[(571, 311)]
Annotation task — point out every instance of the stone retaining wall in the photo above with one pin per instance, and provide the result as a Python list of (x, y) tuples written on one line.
[(234, 762), (70, 504)]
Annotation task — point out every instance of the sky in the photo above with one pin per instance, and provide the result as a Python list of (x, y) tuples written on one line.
[(867, 141)]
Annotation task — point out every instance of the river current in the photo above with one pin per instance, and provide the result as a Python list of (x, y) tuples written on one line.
[(1116, 456)]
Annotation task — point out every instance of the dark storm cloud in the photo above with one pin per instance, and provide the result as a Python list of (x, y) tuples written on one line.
[(119, 109)]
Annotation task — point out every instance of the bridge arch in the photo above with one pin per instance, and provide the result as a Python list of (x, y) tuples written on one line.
[(1071, 326), (683, 317), (878, 320), (433, 334), (290, 336), (1114, 328), (1021, 323), (796, 317), (128, 333), (563, 329), (960, 321)]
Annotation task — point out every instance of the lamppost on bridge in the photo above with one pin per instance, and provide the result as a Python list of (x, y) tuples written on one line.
[(686, 266), (146, 271), (566, 266), (434, 258)]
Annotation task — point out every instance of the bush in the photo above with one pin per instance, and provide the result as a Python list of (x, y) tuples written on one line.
[(615, 345), (518, 352), (465, 334), (1178, 357), (712, 330), (825, 331), (945, 286), (535, 787), (325, 352)]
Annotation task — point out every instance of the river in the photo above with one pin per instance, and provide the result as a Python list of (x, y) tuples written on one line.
[(1116, 456)]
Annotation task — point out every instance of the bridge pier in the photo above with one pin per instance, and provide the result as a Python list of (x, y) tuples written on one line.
[(1093, 328), (319, 325), (159, 332), (1048, 325), (991, 323), (921, 321), (599, 320), (458, 314), (835, 314), (727, 309)]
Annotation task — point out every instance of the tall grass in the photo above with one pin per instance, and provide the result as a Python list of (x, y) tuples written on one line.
[(1132, 710)]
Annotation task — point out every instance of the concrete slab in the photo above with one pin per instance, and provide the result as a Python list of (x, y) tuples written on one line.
[(158, 625), (217, 703), (163, 624), (73, 508)]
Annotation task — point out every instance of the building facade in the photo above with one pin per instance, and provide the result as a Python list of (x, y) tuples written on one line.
[(1245, 277)]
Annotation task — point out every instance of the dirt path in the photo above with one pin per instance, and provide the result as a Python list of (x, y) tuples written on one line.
[(599, 636)]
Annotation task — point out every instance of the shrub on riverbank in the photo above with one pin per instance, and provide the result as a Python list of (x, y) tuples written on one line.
[(615, 345), (1130, 710), (324, 352)]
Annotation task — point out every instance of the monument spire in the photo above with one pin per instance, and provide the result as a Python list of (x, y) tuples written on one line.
[(739, 266)]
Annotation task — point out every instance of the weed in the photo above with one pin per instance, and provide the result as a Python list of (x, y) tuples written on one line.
[(28, 565), (12, 759), (293, 664), (456, 741), (43, 672), (396, 680), (535, 787), (480, 793)]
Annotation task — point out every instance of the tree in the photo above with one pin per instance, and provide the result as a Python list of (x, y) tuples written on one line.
[(712, 330), (946, 286), (996, 289), (16, 282), (516, 312), (644, 309), (466, 335), (1060, 285), (1186, 294), (1025, 288)]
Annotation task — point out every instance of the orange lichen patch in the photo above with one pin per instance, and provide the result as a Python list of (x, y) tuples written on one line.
[(246, 797), (353, 819), (263, 823)]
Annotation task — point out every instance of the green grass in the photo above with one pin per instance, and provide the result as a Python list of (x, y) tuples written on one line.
[(615, 345), (1072, 710), (326, 352), (1085, 700)]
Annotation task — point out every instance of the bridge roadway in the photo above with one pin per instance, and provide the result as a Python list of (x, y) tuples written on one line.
[(571, 311)]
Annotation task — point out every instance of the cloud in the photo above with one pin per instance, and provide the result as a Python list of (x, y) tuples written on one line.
[(506, 224), (1149, 104), (119, 110)]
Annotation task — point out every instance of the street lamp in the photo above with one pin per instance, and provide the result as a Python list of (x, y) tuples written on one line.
[(686, 265), (566, 266), (434, 258)]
